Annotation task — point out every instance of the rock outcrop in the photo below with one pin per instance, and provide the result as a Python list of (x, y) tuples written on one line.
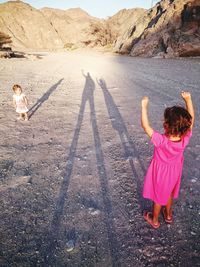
[(170, 29), (122, 20)]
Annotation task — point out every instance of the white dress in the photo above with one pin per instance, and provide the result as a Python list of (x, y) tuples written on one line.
[(20, 103)]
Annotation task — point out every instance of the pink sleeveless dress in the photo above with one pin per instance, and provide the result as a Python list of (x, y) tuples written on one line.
[(164, 173)]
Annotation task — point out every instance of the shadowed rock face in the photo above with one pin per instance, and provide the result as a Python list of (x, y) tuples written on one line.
[(170, 29)]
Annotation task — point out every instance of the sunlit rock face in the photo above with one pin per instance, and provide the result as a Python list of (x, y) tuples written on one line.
[(77, 28), (26, 26), (51, 29), (122, 21), (170, 29)]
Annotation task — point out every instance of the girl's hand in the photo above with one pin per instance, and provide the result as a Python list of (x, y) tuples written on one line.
[(186, 95), (145, 102)]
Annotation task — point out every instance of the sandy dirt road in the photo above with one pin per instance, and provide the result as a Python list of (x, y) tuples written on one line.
[(71, 177)]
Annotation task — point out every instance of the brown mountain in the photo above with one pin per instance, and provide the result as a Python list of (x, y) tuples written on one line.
[(76, 28), (171, 28), (28, 27), (50, 29)]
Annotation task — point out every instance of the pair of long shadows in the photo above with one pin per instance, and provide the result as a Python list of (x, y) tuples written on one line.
[(87, 96), (129, 149)]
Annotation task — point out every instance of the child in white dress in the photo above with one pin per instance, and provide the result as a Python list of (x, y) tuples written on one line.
[(20, 102)]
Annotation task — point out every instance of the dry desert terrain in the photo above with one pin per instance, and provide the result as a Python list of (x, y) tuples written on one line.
[(71, 177)]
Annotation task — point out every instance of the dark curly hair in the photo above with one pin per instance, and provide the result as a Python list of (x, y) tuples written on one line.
[(177, 121)]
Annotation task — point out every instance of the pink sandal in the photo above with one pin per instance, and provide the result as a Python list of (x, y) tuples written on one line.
[(148, 217), (169, 219)]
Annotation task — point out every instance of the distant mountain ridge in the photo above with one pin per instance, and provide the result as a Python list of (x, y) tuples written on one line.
[(171, 28)]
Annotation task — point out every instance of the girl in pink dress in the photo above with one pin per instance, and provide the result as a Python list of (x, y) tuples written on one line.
[(162, 181), (20, 102)]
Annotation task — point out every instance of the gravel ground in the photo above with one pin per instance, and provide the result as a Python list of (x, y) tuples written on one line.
[(71, 177)]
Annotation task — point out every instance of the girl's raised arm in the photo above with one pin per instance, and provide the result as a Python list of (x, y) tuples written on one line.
[(189, 105), (144, 118)]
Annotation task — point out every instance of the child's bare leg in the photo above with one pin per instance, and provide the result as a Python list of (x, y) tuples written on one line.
[(20, 116), (156, 212), (26, 116), (168, 208)]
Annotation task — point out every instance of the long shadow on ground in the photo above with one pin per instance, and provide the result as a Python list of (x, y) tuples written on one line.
[(129, 148), (43, 98), (50, 260)]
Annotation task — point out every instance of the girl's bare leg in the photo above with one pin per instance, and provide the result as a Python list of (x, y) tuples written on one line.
[(168, 208), (156, 212)]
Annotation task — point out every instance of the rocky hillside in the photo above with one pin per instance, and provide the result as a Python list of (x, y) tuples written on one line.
[(51, 29), (76, 28), (170, 29), (28, 27), (121, 21)]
